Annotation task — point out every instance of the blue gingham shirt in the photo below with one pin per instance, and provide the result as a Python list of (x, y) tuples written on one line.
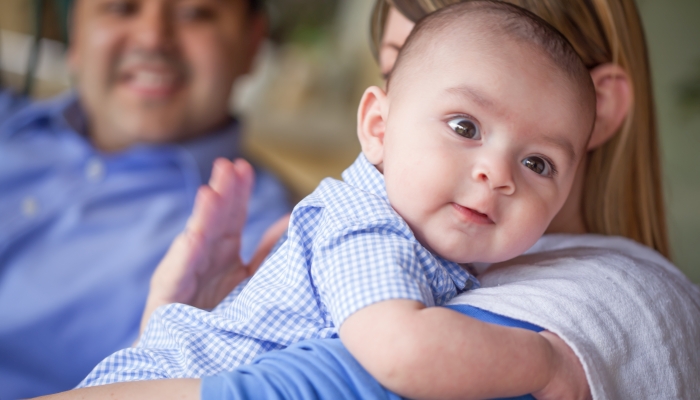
[(346, 249)]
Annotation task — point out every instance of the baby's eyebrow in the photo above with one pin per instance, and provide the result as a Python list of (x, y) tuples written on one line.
[(563, 144), (474, 94), (482, 99)]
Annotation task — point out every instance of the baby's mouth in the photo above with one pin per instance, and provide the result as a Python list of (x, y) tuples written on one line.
[(472, 215)]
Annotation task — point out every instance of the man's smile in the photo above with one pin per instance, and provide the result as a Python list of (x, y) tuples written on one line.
[(151, 83)]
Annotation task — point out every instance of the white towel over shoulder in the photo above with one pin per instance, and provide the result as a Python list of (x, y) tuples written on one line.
[(632, 318)]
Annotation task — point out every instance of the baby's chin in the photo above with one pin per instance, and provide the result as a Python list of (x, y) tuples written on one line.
[(463, 253), (493, 244), (459, 253)]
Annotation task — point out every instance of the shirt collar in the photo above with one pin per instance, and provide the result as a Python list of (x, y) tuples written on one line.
[(39, 113), (66, 113), (224, 142), (70, 114), (365, 176), (362, 174)]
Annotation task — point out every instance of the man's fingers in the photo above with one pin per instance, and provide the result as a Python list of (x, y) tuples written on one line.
[(246, 175), (231, 178), (204, 218), (233, 182), (174, 279), (237, 197), (268, 241)]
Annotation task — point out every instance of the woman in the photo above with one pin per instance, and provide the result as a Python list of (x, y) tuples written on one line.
[(617, 193)]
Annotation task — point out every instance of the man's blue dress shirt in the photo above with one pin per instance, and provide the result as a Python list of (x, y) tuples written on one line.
[(81, 232)]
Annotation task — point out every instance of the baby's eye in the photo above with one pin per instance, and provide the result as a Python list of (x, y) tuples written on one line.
[(465, 127), (539, 165)]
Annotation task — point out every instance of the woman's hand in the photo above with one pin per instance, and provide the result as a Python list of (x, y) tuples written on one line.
[(568, 381), (203, 263)]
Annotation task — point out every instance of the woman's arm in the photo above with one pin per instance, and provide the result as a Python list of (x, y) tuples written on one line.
[(434, 352), (321, 369), (166, 389)]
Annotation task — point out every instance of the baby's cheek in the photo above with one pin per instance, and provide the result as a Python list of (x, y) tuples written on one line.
[(529, 224), (402, 193)]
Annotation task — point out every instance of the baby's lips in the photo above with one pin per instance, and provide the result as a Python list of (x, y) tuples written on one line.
[(473, 215)]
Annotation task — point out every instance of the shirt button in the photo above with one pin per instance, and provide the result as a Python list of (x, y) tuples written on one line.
[(469, 285), (30, 206), (95, 170)]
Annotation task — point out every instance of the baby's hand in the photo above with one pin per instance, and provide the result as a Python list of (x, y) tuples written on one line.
[(568, 381)]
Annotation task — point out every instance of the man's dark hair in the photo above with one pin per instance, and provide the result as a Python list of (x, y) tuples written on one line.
[(256, 5), (253, 5)]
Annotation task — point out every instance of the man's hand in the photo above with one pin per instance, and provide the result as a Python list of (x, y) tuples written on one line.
[(568, 381), (203, 263)]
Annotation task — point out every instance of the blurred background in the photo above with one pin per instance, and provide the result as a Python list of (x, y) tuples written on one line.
[(299, 106)]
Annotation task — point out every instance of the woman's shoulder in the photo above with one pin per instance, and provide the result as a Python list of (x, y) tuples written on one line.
[(622, 307), (600, 254), (603, 262), (617, 244)]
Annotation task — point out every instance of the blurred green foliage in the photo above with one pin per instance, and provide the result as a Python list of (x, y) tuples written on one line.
[(305, 22)]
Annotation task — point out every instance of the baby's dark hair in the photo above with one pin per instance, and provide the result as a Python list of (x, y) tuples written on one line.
[(510, 21)]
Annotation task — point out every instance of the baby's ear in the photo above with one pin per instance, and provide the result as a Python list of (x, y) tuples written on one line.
[(371, 124)]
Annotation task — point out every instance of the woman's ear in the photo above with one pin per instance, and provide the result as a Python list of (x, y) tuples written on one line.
[(613, 101), (371, 124)]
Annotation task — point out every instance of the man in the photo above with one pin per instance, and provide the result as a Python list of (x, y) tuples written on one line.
[(96, 184)]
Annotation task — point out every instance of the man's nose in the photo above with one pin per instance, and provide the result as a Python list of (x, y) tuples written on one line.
[(495, 172), (154, 30)]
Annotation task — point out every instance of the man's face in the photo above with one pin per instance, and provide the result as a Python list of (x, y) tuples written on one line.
[(156, 71), (481, 147)]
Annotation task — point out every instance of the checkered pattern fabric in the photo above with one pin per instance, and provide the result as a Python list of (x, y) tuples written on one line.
[(346, 248)]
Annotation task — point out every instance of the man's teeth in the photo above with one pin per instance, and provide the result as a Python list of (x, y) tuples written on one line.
[(153, 80)]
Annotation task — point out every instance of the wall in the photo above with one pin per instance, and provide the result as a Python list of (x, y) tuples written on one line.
[(673, 36)]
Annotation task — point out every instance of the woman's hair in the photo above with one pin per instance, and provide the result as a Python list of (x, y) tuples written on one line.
[(622, 194)]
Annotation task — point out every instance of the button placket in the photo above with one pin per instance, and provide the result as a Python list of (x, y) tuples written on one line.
[(30, 206), (95, 170)]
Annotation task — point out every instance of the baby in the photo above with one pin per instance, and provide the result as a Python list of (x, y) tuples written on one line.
[(466, 157)]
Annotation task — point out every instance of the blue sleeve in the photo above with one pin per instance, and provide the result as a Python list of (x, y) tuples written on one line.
[(317, 369), (313, 369), (9, 103)]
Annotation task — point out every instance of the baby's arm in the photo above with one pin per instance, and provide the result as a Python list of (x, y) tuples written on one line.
[(435, 352), (318, 368)]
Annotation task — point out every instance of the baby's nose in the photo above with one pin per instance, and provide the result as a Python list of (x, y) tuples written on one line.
[(496, 174)]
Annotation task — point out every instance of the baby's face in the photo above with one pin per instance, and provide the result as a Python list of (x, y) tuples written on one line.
[(480, 148)]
